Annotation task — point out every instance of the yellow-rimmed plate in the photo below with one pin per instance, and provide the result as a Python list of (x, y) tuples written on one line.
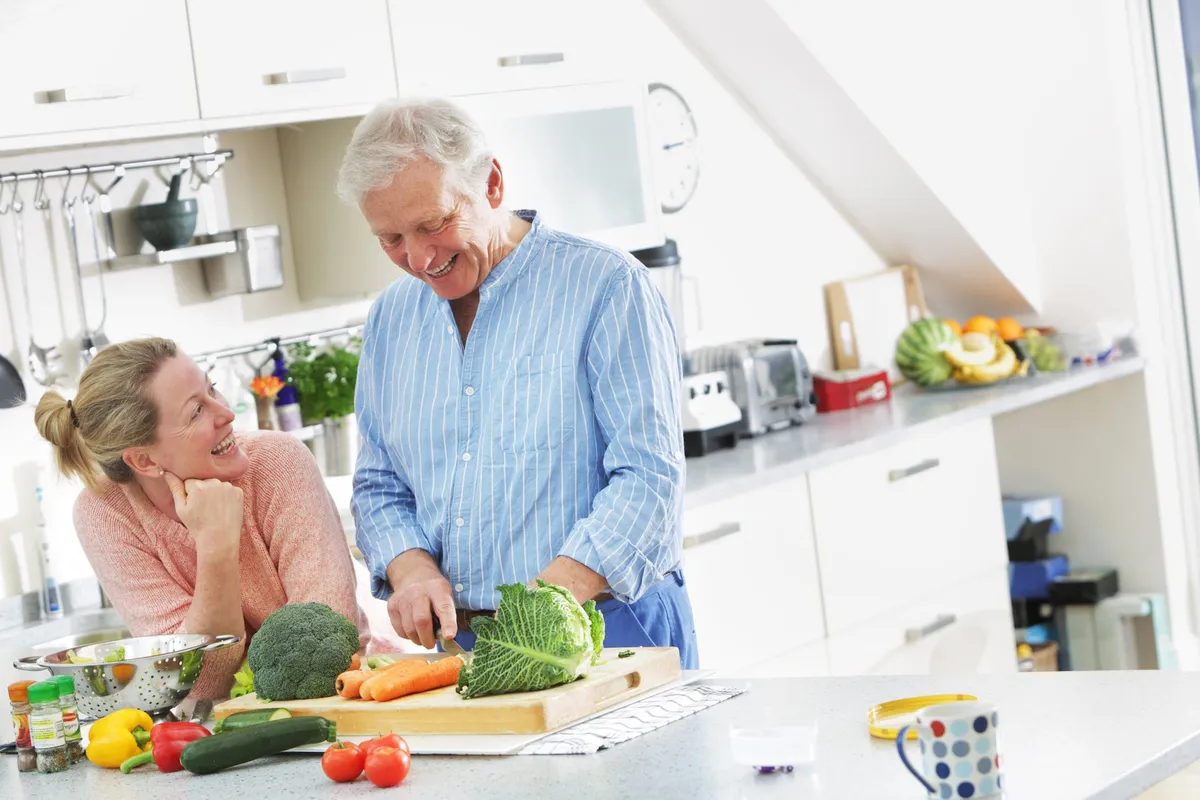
[(885, 720)]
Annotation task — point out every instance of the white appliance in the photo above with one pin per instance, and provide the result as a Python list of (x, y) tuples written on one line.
[(711, 419), (1126, 631)]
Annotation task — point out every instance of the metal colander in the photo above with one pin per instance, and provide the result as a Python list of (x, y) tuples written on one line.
[(155, 675)]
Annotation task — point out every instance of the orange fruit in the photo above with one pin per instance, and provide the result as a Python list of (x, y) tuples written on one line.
[(954, 326), (1009, 329), (980, 324)]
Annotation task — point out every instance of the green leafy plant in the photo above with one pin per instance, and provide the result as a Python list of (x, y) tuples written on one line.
[(324, 379), (539, 638)]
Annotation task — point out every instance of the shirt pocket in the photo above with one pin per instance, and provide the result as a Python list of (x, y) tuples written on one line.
[(538, 412)]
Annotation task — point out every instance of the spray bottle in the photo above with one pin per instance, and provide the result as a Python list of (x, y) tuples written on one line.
[(51, 604)]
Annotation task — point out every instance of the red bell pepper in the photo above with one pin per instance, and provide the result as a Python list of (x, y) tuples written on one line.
[(167, 740)]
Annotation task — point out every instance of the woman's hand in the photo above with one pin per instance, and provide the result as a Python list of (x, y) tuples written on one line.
[(211, 510)]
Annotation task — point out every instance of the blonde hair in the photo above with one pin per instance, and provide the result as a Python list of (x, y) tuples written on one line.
[(111, 412)]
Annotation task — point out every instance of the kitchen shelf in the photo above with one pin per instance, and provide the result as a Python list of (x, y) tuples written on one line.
[(190, 252)]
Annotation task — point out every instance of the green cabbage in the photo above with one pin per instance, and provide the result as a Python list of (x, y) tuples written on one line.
[(539, 638)]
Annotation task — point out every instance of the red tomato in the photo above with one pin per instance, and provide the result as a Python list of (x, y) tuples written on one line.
[(343, 762), (387, 766), (391, 740)]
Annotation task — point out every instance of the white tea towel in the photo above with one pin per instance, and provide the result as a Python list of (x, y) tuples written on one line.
[(630, 721)]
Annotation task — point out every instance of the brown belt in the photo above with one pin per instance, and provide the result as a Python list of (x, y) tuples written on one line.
[(463, 616)]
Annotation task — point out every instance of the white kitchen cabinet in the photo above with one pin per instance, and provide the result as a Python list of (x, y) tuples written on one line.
[(752, 576), (269, 56), (964, 628), (807, 661), (74, 66), (487, 46), (899, 524)]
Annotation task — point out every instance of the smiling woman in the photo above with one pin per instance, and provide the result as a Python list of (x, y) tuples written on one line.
[(189, 526)]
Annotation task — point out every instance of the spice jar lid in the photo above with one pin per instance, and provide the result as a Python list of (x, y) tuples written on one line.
[(43, 692), (19, 692), (66, 684)]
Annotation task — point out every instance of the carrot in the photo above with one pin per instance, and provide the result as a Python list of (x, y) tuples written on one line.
[(349, 682), (356, 661), (404, 666), (434, 675)]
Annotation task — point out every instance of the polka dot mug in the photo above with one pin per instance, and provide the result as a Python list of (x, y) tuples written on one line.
[(960, 751)]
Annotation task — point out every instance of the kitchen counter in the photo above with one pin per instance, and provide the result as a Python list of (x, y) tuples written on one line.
[(840, 435), (1066, 736)]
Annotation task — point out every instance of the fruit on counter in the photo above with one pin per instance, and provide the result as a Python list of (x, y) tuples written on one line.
[(118, 737), (1003, 364), (245, 719), (343, 762), (243, 681), (539, 638), (980, 324), (972, 350), (1009, 329), (1046, 355), (167, 741), (954, 326), (391, 740), (244, 745), (387, 767), (300, 650), (919, 352)]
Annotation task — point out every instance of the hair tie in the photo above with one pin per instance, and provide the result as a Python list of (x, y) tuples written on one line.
[(74, 416)]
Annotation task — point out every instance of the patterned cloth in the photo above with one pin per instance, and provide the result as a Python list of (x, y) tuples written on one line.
[(554, 431), (631, 721)]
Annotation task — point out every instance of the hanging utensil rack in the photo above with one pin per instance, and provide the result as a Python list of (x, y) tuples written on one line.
[(269, 346), (219, 157)]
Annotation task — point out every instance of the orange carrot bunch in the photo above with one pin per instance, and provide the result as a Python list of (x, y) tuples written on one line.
[(405, 677)]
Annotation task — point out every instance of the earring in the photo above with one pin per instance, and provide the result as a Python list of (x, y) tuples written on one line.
[(162, 472)]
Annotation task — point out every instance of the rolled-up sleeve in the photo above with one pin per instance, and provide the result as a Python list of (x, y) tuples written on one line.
[(384, 507), (632, 534)]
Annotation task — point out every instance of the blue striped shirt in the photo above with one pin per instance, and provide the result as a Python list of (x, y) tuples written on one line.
[(553, 431)]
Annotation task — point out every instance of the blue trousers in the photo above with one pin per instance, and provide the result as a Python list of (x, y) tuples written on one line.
[(662, 617)]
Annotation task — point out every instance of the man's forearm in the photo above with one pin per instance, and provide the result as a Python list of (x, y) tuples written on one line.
[(406, 564), (581, 581)]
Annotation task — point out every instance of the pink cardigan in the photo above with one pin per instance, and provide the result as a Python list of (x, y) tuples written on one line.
[(293, 550)]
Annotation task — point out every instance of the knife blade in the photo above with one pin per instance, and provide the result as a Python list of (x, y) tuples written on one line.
[(449, 645)]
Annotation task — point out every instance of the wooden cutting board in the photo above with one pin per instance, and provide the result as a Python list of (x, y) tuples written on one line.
[(443, 711)]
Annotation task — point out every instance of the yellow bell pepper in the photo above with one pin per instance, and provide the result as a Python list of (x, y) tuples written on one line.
[(119, 736)]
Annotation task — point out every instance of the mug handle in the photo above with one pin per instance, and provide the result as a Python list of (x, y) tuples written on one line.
[(904, 758)]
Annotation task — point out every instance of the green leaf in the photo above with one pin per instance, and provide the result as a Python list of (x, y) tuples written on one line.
[(625, 654), (539, 638)]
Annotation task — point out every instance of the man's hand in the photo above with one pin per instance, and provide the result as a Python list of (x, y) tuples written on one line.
[(419, 591), (581, 581)]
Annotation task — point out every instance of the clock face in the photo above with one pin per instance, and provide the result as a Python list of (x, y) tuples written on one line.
[(676, 153)]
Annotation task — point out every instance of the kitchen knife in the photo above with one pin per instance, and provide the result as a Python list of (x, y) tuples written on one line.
[(449, 645)]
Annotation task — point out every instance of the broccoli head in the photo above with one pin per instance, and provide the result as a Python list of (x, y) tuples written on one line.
[(300, 650)]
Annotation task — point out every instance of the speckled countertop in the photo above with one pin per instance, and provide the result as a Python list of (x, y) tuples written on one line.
[(1066, 736)]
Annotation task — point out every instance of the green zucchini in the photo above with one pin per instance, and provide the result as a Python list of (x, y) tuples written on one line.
[(244, 719), (215, 753)]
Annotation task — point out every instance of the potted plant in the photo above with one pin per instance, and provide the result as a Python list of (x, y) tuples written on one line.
[(324, 378)]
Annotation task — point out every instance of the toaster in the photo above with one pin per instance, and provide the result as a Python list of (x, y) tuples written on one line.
[(770, 381)]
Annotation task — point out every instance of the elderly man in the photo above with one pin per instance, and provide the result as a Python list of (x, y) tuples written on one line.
[(518, 401)]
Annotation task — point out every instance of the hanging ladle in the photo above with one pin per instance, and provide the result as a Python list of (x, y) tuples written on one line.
[(45, 363), (12, 387), (87, 348), (95, 339)]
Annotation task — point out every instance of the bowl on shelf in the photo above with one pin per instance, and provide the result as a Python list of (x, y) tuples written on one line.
[(168, 225)]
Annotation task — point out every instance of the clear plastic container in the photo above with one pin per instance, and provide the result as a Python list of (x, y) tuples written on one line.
[(776, 748)]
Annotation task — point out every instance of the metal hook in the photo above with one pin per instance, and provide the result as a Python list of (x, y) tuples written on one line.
[(40, 200), (88, 199), (119, 172), (67, 190), (18, 205), (4, 208)]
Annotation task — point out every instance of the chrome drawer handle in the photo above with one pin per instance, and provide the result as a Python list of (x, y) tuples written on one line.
[(530, 59), (916, 634), (305, 76), (719, 532), (76, 94), (915, 469)]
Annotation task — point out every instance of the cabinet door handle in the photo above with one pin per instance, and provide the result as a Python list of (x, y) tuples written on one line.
[(76, 94), (719, 532), (530, 59), (916, 634), (915, 469), (305, 76)]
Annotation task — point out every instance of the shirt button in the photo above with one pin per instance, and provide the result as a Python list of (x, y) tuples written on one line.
[(470, 390), (458, 587), (449, 329), (466, 456), (460, 522), (678, 455)]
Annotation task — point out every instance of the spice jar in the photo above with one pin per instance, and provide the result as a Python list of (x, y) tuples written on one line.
[(70, 716), (46, 727), (18, 695)]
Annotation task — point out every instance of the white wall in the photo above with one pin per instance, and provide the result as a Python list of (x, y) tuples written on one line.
[(760, 239)]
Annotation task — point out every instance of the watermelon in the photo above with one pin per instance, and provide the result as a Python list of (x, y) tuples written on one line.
[(919, 352)]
